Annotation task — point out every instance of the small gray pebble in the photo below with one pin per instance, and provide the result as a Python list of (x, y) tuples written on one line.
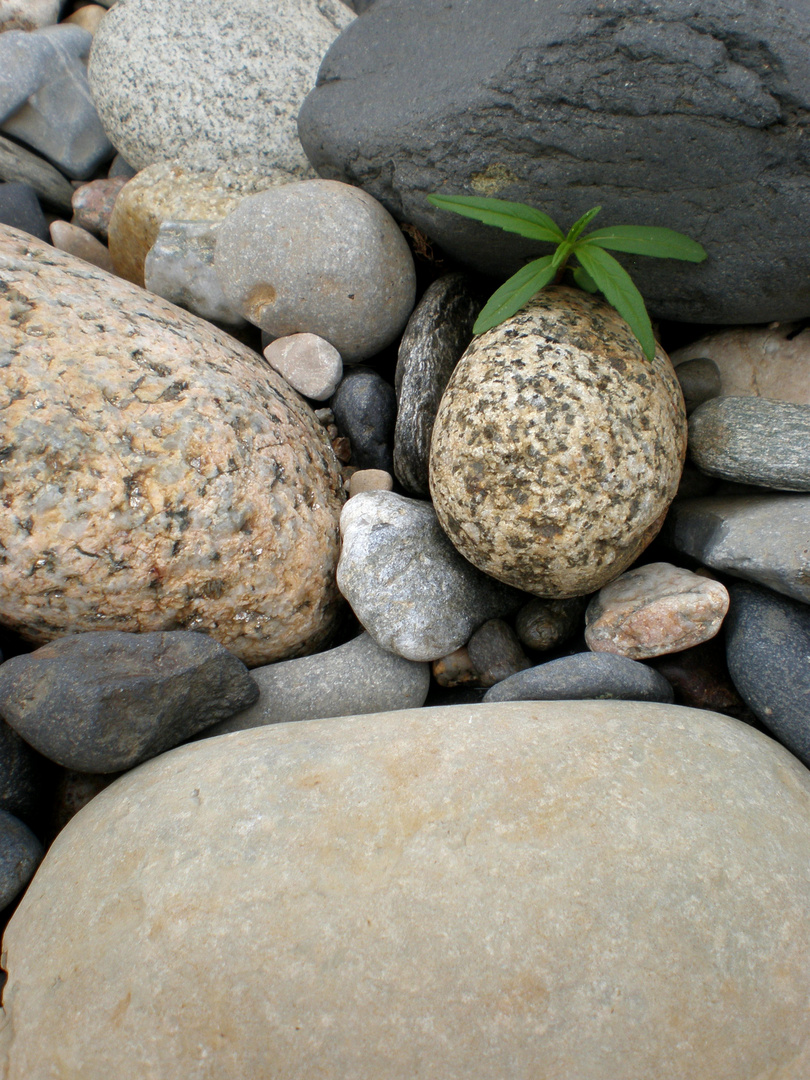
[(20, 855), (582, 676), (495, 652), (365, 409)]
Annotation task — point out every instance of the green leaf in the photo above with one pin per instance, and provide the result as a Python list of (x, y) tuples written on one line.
[(614, 281), (644, 240), (584, 280), (583, 222), (562, 253), (512, 216), (514, 293)]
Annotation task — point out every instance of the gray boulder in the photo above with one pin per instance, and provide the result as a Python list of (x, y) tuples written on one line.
[(584, 676)]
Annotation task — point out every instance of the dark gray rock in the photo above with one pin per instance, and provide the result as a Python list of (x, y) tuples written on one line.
[(700, 381), (121, 167), (753, 440), (762, 538), (19, 208), (635, 106), (767, 648), (20, 855), (365, 408), (438, 332), (21, 776), (21, 166), (582, 676), (105, 701), (544, 624), (495, 652)]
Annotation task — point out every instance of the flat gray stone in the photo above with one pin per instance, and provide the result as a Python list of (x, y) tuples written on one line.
[(19, 165), (581, 676)]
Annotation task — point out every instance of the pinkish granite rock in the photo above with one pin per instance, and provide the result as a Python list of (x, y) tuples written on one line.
[(93, 203)]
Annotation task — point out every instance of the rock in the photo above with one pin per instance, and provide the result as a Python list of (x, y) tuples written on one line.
[(19, 165), (695, 484), (761, 538), (752, 440), (654, 609), (767, 646), (310, 365), (20, 854), (544, 624), (93, 203), (73, 791), (582, 676), (28, 14), (365, 408), (321, 258), (191, 82), (19, 208), (405, 581), (120, 167), (370, 480), (81, 243), (88, 17), (455, 669), (700, 381), (45, 101), (495, 652), (353, 679), (106, 701), (567, 105), (180, 268), (589, 880), (169, 480), (557, 447), (438, 332), (21, 776), (701, 680), (759, 361)]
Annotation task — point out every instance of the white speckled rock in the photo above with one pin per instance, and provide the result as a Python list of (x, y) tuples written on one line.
[(157, 475), (202, 83), (318, 257), (557, 447), (522, 891)]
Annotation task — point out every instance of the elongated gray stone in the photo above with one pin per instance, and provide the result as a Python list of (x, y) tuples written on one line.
[(20, 165), (584, 675)]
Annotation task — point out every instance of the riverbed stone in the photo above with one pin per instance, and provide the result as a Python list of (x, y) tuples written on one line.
[(700, 381), (20, 854), (93, 204), (28, 14), (159, 475), (544, 624), (310, 365), (81, 243), (583, 676), (19, 165), (557, 447), (20, 208), (365, 410)]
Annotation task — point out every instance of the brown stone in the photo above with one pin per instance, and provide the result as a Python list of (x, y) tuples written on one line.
[(88, 17), (81, 243), (455, 669), (93, 204)]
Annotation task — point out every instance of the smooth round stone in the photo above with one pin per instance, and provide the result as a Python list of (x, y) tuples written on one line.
[(495, 653), (204, 84), (20, 854), (79, 242), (700, 381), (310, 365), (592, 882), (557, 447), (581, 676), (365, 410), (455, 669), (318, 257), (161, 475), (544, 624), (19, 208), (655, 609), (93, 204)]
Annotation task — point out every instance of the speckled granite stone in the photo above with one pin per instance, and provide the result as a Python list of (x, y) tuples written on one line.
[(557, 447), (157, 475)]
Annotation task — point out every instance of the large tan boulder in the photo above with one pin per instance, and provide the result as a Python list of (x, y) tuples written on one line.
[(523, 891)]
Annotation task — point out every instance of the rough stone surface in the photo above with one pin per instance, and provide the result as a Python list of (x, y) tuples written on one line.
[(700, 381), (655, 609), (28, 14), (593, 882), (562, 106), (104, 702), (495, 653), (762, 538), (767, 647), (79, 242), (19, 208), (753, 440), (180, 267), (438, 332), (20, 854), (159, 475), (405, 581), (321, 258), (351, 680), (544, 624), (21, 166), (370, 480), (557, 447), (583, 676), (204, 84), (365, 410), (93, 204), (310, 365)]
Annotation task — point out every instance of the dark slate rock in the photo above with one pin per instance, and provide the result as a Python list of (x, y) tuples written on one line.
[(767, 647), (582, 676), (19, 208), (495, 652), (105, 701), (700, 381), (565, 105), (753, 440), (438, 332), (762, 538), (365, 408), (20, 855), (22, 776)]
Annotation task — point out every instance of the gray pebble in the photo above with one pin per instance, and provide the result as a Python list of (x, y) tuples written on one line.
[(20, 855), (19, 208), (495, 652), (20, 165), (700, 381), (585, 675), (365, 410), (21, 775)]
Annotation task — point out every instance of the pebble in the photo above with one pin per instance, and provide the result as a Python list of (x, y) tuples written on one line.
[(106, 701), (370, 480), (768, 653), (121, 167), (73, 791), (365, 410), (310, 365), (455, 669), (557, 447), (582, 676), (22, 777), (761, 538), (81, 243), (437, 333), (350, 680), (93, 204), (701, 680), (655, 609), (318, 257), (88, 17), (752, 440), (405, 581), (28, 14), (19, 208), (21, 166), (545, 624), (495, 653), (700, 381), (20, 855)]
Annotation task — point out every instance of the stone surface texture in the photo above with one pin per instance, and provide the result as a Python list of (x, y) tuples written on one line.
[(20, 208), (28, 14), (560, 890), (310, 365), (20, 854), (495, 653), (158, 475), (88, 17), (365, 411), (700, 380), (93, 204), (81, 243), (544, 624), (204, 84), (21, 166), (633, 106), (557, 447), (582, 676)]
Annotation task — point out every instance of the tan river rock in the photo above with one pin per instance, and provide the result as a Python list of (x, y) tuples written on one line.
[(156, 474), (591, 890)]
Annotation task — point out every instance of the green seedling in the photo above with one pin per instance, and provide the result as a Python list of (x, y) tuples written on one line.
[(597, 271)]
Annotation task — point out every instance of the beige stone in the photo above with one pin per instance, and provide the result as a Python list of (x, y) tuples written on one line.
[(525, 891), (81, 243), (310, 365), (157, 475), (370, 480), (557, 447), (653, 610), (88, 17)]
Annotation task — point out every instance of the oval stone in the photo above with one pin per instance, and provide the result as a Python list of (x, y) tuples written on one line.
[(557, 447), (525, 891), (157, 475)]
